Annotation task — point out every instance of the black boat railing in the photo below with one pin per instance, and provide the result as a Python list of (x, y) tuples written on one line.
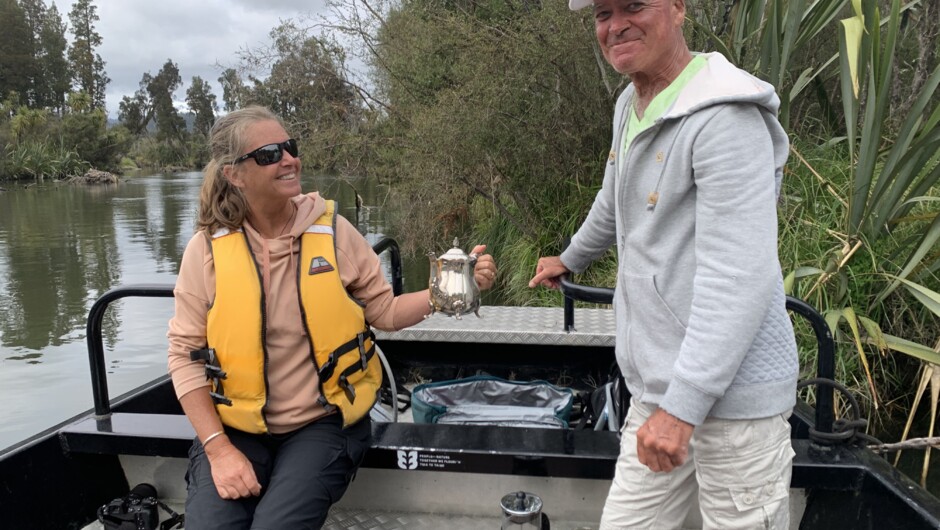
[(99, 376), (394, 254), (825, 354), (96, 362)]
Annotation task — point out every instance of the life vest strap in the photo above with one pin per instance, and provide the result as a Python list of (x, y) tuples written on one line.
[(356, 343), (348, 387)]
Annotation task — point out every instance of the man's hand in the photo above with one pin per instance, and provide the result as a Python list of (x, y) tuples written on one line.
[(232, 473), (662, 443), (547, 272)]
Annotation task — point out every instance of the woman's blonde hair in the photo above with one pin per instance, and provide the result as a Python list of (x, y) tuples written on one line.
[(222, 205)]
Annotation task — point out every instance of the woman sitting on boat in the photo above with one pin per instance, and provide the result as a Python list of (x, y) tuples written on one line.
[(270, 349)]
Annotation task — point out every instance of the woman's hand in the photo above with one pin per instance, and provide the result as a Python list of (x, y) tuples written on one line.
[(485, 270), (232, 473)]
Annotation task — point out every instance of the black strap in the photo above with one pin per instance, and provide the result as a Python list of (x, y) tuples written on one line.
[(402, 401), (347, 386), (177, 519), (203, 354), (587, 410), (356, 343), (344, 383)]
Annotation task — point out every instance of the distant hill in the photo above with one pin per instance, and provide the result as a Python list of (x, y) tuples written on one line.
[(189, 117)]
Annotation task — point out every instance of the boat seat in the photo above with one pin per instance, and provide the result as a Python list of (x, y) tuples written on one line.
[(126, 433), (408, 446)]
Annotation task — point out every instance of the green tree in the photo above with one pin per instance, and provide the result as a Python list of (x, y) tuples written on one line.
[(35, 13), (56, 78), (233, 89), (135, 113), (86, 65), (202, 103), (497, 114), (16, 51), (170, 125), (29, 125), (305, 82), (306, 85), (84, 128)]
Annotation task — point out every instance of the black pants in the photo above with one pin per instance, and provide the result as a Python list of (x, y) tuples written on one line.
[(301, 475)]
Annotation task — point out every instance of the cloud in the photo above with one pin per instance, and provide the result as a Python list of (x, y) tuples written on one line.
[(139, 36)]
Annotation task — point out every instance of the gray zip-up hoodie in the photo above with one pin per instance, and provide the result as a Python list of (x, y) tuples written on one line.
[(702, 328)]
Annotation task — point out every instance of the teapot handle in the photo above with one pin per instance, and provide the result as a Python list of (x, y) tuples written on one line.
[(473, 260)]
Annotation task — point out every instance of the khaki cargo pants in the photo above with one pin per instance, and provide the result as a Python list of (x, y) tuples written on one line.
[(740, 470)]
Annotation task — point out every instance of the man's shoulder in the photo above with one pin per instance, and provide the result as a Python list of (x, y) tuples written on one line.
[(718, 81)]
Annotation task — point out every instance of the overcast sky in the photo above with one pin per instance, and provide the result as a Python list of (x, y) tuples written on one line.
[(140, 35)]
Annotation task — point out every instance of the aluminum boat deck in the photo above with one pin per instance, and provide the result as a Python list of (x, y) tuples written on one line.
[(513, 325)]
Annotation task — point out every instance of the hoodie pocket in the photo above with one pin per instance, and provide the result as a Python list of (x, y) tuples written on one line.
[(654, 334)]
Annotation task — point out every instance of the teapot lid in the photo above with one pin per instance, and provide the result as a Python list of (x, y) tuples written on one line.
[(521, 503), (455, 253)]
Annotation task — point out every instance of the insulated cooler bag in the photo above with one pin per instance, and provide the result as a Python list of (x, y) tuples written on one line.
[(485, 400)]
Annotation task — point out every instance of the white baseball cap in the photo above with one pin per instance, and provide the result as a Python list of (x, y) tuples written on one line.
[(575, 5)]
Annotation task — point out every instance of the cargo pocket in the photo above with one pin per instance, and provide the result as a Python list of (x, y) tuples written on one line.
[(763, 505), (744, 470)]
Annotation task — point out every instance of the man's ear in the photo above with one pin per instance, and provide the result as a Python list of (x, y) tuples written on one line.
[(679, 6)]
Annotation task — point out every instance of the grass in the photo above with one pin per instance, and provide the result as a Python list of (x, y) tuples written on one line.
[(517, 254), (40, 160)]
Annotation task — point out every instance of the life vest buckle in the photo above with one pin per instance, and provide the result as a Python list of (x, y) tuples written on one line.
[(363, 354), (219, 399), (213, 369), (215, 372), (203, 354)]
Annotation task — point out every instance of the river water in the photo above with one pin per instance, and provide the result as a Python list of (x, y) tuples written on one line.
[(61, 246)]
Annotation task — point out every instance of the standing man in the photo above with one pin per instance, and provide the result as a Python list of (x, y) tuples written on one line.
[(703, 337)]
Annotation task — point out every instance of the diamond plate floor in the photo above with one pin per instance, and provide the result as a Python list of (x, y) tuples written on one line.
[(357, 519), (342, 518)]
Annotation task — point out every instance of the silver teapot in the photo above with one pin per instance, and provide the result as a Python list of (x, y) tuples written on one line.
[(522, 510), (454, 291)]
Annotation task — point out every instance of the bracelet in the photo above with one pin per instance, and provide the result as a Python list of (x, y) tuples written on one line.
[(212, 437)]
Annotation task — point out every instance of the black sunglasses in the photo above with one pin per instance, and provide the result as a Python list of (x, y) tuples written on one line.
[(271, 153)]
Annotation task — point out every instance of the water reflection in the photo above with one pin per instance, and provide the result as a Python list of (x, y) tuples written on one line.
[(62, 246), (58, 247)]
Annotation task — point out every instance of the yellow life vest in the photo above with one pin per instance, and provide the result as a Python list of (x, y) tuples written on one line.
[(341, 341)]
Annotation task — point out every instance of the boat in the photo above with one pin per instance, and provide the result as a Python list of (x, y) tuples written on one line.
[(420, 475)]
